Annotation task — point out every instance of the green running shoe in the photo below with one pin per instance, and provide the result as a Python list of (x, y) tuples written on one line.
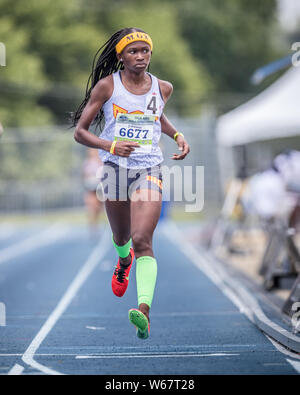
[(140, 321)]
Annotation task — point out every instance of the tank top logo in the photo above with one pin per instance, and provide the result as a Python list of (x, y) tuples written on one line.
[(119, 110)]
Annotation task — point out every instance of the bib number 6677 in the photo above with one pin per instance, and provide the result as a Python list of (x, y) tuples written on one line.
[(134, 133)]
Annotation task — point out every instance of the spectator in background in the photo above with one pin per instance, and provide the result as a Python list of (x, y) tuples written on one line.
[(288, 166), (1, 129), (274, 192), (265, 195), (91, 179)]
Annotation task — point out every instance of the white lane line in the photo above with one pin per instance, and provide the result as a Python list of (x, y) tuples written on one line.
[(93, 260), (282, 349), (16, 370), (98, 252), (48, 236), (72, 354), (295, 364), (105, 316), (96, 328), (145, 355), (193, 314)]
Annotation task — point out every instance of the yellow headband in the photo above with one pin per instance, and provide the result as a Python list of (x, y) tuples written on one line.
[(132, 37)]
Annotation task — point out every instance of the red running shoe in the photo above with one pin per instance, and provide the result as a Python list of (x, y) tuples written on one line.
[(120, 278)]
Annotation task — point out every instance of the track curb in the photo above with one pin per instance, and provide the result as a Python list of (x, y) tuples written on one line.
[(230, 282), (283, 333)]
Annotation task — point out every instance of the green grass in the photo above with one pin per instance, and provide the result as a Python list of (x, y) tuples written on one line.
[(74, 216), (78, 216)]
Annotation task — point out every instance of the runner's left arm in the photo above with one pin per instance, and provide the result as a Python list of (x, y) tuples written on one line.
[(167, 127)]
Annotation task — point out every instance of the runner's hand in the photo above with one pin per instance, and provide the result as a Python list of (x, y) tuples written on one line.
[(124, 148), (183, 147)]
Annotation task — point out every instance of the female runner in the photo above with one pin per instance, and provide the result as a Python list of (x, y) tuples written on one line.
[(131, 101)]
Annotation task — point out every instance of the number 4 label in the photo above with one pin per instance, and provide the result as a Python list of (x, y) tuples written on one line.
[(151, 106)]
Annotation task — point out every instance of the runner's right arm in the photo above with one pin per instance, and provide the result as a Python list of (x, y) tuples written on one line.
[(99, 95)]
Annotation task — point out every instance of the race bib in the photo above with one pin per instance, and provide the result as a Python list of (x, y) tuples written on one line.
[(137, 128)]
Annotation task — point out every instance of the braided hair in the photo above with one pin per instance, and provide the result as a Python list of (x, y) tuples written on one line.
[(105, 63)]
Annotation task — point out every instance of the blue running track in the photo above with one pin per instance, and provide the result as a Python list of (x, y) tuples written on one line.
[(62, 317)]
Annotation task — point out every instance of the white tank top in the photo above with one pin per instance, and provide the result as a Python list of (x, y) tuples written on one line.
[(125, 102)]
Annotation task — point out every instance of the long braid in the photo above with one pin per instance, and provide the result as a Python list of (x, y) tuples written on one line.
[(106, 64)]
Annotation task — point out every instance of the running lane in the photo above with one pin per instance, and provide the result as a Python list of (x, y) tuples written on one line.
[(195, 329)]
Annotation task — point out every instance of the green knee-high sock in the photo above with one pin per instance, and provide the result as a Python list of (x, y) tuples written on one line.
[(146, 272), (123, 251)]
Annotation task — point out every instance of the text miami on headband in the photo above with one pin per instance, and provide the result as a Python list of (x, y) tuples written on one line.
[(132, 37)]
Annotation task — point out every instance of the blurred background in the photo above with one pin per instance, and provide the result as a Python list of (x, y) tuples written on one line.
[(209, 50), (235, 99)]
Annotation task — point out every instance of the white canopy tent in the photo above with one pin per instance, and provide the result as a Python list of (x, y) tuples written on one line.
[(274, 113)]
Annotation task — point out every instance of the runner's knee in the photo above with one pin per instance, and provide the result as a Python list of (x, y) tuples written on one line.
[(141, 243), (121, 239)]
